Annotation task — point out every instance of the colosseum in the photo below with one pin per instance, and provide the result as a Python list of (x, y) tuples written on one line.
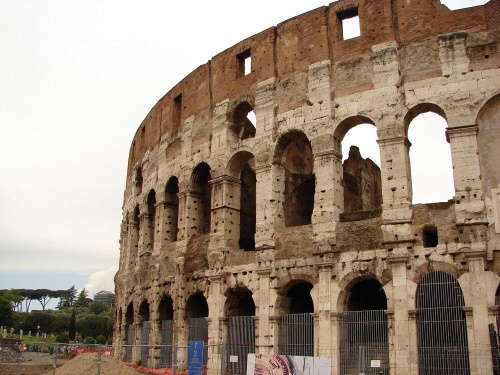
[(256, 237)]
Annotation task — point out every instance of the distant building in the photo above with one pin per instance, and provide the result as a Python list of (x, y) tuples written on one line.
[(108, 298)]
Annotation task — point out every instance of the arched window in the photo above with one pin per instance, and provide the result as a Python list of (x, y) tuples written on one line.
[(295, 163), (196, 314), (151, 200), (296, 325), (243, 120), (138, 180), (441, 325), (166, 315), (171, 209), (430, 155), (356, 137), (364, 330), (240, 310), (203, 199)]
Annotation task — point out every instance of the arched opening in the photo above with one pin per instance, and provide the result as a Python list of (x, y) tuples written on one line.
[(356, 137), (430, 155), (166, 317), (145, 327), (494, 329), (138, 180), (296, 325), (241, 166), (202, 191), (135, 230), (129, 332), (171, 209), (196, 314), (240, 310), (151, 201), (488, 143), (295, 164), (244, 123), (441, 325), (364, 332)]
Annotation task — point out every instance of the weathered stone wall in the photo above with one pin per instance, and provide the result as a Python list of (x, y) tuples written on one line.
[(308, 87)]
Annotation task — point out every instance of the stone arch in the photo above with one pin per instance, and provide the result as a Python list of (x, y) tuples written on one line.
[(171, 207), (143, 313), (488, 142), (239, 302), (361, 186), (420, 109), (430, 157), (238, 160), (202, 191), (197, 306), (497, 295), (240, 124), (129, 314), (166, 308), (294, 163), (151, 218), (354, 277), (298, 290)]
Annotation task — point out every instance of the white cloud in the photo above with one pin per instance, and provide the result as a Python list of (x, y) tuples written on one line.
[(101, 280)]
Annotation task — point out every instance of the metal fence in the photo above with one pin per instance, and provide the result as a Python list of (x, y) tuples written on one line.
[(167, 341), (198, 331), (145, 330), (296, 335), (241, 342), (363, 339)]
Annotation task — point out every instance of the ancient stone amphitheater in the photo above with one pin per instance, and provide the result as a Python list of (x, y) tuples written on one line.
[(257, 238)]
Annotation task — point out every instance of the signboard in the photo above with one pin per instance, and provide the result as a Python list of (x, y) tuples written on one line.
[(195, 357), (375, 363), (233, 358), (258, 364)]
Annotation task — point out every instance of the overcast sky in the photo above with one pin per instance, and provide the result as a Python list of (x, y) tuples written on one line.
[(76, 80)]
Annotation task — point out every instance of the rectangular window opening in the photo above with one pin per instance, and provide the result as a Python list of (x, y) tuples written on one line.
[(176, 113), (349, 24), (244, 63)]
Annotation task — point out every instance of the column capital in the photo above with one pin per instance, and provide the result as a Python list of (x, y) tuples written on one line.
[(224, 179), (264, 272), (262, 168), (471, 254), (469, 311), (398, 259), (394, 141), (412, 314)]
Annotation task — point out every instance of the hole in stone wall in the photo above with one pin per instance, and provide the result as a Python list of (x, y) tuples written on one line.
[(152, 215), (240, 303), (430, 159), (138, 180), (129, 315), (244, 63), (349, 24), (430, 236), (367, 295)]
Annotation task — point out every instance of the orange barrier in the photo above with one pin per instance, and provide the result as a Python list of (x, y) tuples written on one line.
[(151, 371)]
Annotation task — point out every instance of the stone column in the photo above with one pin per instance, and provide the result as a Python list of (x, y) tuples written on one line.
[(225, 226), (324, 341), (469, 204), (133, 244), (479, 344), (328, 195), (190, 212), (413, 340), (266, 208), (145, 245), (396, 178), (335, 336), (400, 347), (215, 332), (264, 338), (158, 241)]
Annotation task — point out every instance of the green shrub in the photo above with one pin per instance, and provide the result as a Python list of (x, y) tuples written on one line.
[(100, 340), (62, 337), (89, 340), (110, 341)]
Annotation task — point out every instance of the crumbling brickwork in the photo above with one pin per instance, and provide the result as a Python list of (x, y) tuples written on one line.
[(224, 219)]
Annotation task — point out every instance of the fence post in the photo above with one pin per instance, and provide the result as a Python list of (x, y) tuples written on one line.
[(98, 359), (55, 360)]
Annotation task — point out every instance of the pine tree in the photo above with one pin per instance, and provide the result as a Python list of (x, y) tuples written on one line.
[(72, 326)]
